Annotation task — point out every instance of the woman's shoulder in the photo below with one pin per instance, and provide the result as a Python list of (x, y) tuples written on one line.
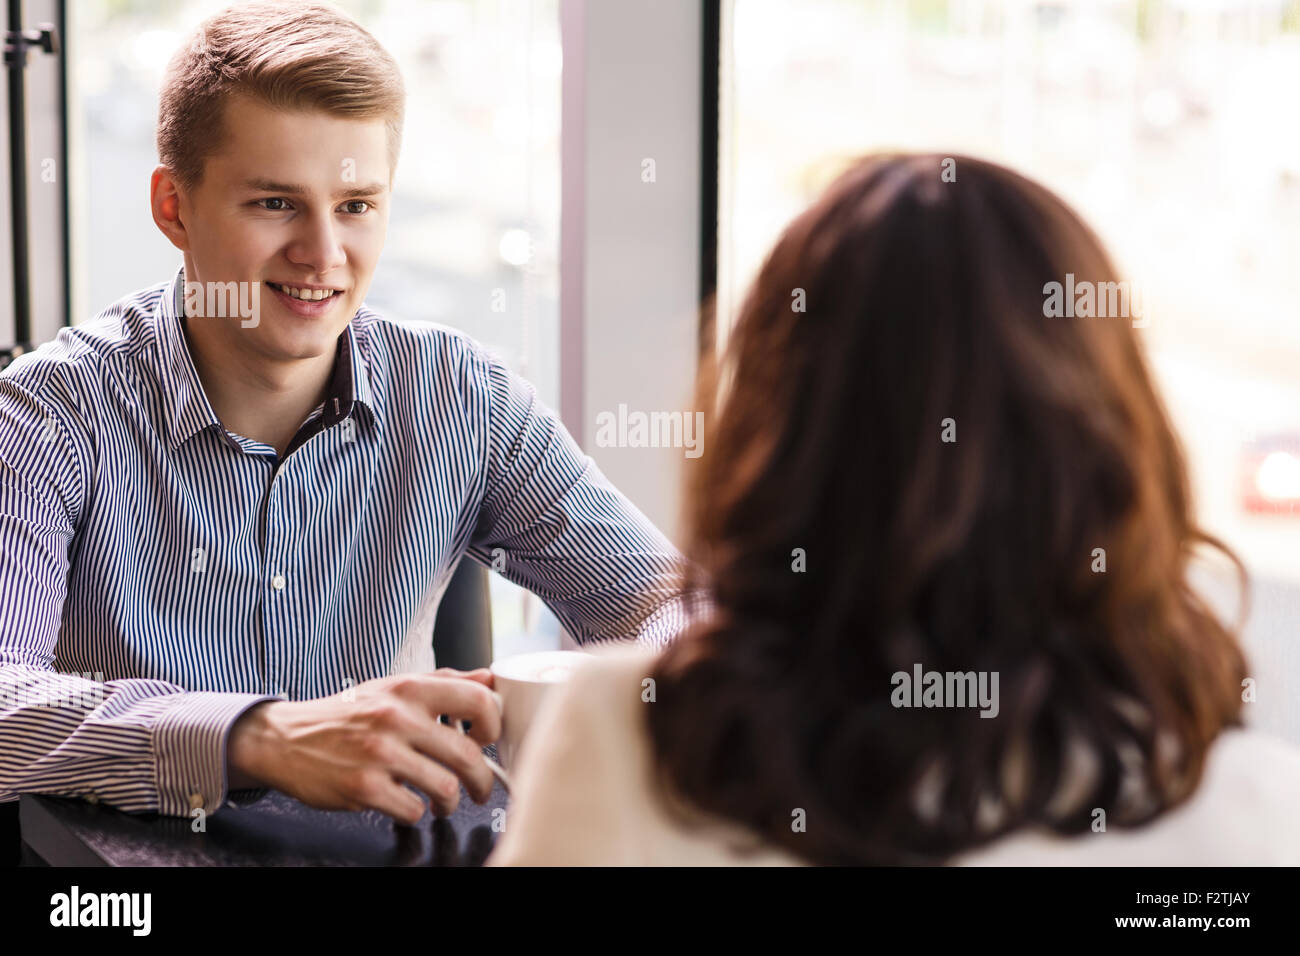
[(612, 667), (587, 791), (1243, 813)]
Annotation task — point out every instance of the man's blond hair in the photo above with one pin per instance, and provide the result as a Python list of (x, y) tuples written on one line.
[(288, 55)]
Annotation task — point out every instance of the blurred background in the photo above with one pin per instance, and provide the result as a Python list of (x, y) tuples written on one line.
[(1170, 124)]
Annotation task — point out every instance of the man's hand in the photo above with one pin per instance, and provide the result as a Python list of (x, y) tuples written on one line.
[(337, 753)]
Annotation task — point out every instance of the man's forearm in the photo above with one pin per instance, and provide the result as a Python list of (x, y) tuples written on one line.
[(673, 618), (551, 522), (243, 748)]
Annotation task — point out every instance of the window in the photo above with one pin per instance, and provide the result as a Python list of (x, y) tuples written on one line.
[(1169, 125)]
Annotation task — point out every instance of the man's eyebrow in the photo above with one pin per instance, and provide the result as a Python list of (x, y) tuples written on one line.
[(291, 189)]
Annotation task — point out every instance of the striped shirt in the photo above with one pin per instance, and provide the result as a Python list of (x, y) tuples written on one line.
[(160, 574)]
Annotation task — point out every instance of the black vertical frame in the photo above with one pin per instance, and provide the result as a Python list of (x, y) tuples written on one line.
[(15, 70), (18, 43), (710, 78), (65, 173)]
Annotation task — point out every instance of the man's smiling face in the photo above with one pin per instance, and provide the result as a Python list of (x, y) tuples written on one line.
[(294, 199)]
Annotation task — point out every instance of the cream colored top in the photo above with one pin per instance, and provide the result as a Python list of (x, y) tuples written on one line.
[(582, 796)]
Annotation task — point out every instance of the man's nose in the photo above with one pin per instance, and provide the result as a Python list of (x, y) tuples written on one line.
[(318, 245)]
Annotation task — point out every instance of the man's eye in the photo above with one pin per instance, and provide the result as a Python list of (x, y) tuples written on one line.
[(364, 203)]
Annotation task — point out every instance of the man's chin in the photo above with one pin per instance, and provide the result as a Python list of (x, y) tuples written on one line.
[(289, 338)]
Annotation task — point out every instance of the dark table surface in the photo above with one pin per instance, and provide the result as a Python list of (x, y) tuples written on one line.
[(275, 831)]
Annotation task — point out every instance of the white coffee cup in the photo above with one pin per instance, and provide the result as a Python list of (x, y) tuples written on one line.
[(524, 681)]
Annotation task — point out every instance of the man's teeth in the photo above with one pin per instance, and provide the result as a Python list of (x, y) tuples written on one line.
[(311, 295)]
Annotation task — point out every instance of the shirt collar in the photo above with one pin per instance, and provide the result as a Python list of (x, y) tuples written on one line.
[(188, 409)]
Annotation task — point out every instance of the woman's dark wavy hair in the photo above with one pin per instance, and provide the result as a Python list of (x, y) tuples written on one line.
[(925, 302)]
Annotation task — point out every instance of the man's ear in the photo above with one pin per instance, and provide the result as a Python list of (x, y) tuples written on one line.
[(165, 202)]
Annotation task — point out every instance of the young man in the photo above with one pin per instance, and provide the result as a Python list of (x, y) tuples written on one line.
[(224, 532)]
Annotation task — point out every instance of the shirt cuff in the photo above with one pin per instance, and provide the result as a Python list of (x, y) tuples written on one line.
[(189, 746)]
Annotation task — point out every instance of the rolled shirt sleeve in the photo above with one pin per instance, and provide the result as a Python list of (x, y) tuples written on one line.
[(137, 744), (552, 522)]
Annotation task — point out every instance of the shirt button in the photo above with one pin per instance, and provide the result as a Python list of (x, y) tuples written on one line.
[(277, 582), (196, 801)]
